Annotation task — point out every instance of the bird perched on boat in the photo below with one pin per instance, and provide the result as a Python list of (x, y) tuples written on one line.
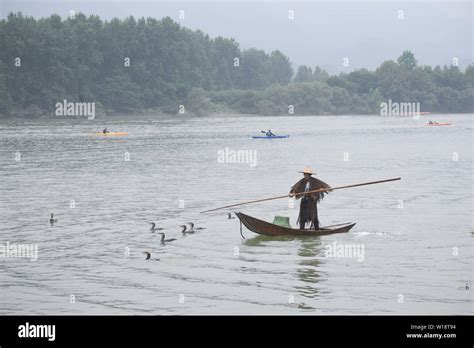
[(153, 228), (185, 230), (163, 240), (52, 220), (309, 202), (191, 224), (229, 216)]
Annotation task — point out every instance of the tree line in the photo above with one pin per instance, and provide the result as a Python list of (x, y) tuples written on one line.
[(134, 65)]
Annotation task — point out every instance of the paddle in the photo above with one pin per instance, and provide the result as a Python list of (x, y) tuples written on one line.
[(303, 193)]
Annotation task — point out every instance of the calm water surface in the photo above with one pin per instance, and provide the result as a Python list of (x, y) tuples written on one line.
[(417, 233)]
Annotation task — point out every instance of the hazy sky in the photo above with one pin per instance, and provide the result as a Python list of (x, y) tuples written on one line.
[(321, 33)]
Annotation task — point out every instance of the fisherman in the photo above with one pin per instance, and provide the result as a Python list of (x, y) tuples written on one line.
[(308, 206), (269, 133)]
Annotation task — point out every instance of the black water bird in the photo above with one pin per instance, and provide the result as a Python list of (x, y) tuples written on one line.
[(153, 228), (163, 240), (52, 220), (185, 230), (192, 227), (229, 216), (148, 256)]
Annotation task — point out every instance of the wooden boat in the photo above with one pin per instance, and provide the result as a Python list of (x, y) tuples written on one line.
[(268, 229)]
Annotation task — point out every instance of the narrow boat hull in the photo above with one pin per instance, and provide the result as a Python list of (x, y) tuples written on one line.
[(439, 124), (273, 137), (111, 134), (269, 229)]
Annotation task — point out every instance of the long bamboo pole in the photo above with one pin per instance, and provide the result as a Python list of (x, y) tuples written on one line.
[(302, 193)]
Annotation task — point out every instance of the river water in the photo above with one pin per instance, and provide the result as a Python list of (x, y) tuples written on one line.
[(416, 234)]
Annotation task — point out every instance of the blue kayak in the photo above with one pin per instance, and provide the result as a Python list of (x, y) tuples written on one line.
[(272, 137)]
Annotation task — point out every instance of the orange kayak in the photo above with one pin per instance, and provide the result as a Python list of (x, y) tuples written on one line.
[(439, 124), (111, 134)]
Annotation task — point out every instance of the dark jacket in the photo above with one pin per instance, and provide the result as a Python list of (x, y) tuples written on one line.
[(308, 207), (315, 184)]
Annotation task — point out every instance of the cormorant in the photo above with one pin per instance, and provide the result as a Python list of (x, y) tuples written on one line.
[(192, 226), (185, 230), (153, 228), (52, 220), (148, 256), (163, 240)]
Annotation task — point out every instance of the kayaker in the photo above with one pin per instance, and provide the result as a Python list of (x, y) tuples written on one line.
[(308, 206), (269, 133)]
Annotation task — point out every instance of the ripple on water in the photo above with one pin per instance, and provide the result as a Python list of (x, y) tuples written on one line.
[(103, 204)]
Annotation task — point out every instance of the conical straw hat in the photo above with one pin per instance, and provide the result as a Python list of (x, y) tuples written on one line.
[(307, 170)]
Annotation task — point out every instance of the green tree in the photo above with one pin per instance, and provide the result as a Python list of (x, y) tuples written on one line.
[(5, 102), (388, 77), (134, 63), (254, 69), (361, 81), (198, 102), (407, 60), (304, 74), (119, 94), (320, 74)]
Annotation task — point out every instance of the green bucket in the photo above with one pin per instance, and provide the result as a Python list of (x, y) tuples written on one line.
[(282, 221)]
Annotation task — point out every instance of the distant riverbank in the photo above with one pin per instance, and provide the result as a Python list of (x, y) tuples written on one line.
[(154, 115)]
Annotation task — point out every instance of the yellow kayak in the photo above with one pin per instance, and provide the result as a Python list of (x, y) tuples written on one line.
[(111, 134)]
